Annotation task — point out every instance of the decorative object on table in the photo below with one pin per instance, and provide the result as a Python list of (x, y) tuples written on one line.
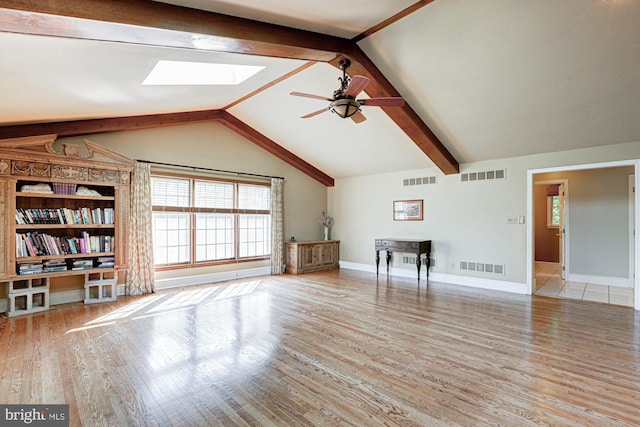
[(407, 210), (327, 222), (292, 239)]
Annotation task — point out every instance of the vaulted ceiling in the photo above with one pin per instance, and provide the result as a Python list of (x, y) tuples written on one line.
[(482, 79)]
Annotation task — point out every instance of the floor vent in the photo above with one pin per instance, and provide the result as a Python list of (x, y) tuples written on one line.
[(478, 266), (483, 175), (423, 180)]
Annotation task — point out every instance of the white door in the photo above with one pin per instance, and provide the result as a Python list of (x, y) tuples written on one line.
[(632, 228), (562, 231)]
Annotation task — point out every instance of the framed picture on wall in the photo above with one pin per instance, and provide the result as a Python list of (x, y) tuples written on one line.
[(407, 210)]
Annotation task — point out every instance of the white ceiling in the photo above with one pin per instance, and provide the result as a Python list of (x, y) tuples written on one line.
[(492, 78)]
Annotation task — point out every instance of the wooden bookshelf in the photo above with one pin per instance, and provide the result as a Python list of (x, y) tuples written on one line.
[(40, 224)]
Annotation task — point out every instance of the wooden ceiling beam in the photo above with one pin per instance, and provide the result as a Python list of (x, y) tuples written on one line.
[(272, 147), (405, 117), (150, 23), (114, 124), (122, 124)]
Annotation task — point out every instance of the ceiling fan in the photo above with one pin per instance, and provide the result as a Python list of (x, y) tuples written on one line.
[(344, 102)]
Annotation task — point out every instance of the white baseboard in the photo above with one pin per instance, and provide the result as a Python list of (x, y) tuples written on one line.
[(212, 277), (474, 282), (621, 282)]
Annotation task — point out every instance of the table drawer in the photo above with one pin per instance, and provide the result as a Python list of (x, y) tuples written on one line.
[(397, 245)]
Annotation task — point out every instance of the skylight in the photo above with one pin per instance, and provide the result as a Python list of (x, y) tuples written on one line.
[(199, 73)]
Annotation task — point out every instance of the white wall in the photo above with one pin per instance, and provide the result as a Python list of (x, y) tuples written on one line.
[(466, 221), (211, 145)]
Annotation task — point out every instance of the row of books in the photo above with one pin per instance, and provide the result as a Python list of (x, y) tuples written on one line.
[(60, 264), (48, 266), (40, 244), (63, 188), (64, 216)]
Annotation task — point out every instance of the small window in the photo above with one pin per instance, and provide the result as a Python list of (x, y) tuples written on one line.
[(553, 211)]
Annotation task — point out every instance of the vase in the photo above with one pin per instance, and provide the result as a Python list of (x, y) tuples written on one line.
[(326, 233)]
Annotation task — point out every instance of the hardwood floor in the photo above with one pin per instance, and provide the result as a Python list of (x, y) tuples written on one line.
[(328, 348)]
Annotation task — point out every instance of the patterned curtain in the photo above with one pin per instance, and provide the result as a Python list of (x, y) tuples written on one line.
[(277, 228), (140, 277)]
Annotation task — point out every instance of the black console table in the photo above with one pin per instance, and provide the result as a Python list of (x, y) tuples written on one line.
[(417, 247)]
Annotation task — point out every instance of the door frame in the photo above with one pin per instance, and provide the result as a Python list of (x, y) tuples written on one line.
[(632, 228), (530, 262), (563, 256)]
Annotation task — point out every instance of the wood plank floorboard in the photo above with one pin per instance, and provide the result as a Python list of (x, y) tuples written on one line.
[(333, 348)]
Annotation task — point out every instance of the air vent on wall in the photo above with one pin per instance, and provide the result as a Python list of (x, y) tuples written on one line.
[(423, 180), (412, 260), (483, 175), (478, 266), (408, 260)]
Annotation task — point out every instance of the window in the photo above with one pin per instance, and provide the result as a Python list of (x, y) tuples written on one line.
[(200, 221), (553, 211)]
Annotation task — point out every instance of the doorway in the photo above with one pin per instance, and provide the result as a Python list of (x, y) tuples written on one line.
[(597, 255), (550, 225)]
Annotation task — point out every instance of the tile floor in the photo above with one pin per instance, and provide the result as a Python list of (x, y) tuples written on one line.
[(549, 283)]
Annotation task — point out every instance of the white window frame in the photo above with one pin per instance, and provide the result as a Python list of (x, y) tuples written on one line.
[(550, 223)]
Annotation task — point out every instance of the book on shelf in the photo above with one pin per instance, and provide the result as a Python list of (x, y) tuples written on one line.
[(82, 264), (30, 268), (57, 264), (106, 262)]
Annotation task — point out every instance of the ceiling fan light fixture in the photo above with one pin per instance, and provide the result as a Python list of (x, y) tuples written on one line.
[(345, 107)]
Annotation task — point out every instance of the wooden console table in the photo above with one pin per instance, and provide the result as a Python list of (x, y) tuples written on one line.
[(417, 247)]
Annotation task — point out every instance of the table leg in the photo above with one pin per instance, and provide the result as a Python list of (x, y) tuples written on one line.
[(388, 261), (428, 263), (418, 264), (377, 261)]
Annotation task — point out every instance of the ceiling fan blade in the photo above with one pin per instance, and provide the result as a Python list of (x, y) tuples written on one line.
[(315, 113), (394, 101), (308, 95), (358, 117), (357, 85)]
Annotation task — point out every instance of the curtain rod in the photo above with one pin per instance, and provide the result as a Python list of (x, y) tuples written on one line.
[(209, 169)]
